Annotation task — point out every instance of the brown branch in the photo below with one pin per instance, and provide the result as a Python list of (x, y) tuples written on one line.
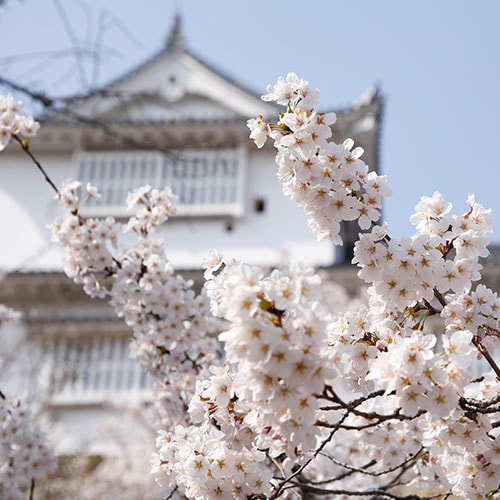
[(352, 408), (440, 297), (349, 472), (60, 105), (58, 102), (329, 393), (374, 493), (363, 469), (299, 471), (480, 406), (117, 135), (347, 427), (476, 340), (32, 489), (52, 55), (37, 96), (25, 147), (172, 493)]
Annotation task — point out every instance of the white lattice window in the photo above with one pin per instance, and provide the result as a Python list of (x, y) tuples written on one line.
[(206, 181), (95, 369)]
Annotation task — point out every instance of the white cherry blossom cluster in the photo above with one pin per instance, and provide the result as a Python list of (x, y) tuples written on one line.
[(405, 392), (12, 122), (214, 457), (170, 324), (204, 464), (411, 281), (328, 180), (277, 347), (413, 397), (25, 454), (151, 206), (263, 397), (169, 320), (379, 401), (89, 241), (418, 389), (434, 271)]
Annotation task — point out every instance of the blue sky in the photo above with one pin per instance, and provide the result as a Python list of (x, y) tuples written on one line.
[(437, 63)]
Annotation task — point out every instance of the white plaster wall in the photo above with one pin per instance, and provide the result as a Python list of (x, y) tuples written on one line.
[(278, 234), (26, 207), (273, 237)]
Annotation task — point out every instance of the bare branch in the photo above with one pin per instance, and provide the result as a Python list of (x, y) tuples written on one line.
[(380, 493), (74, 41), (25, 147), (37, 96), (316, 453), (363, 469), (349, 472), (487, 356), (476, 406), (32, 489), (352, 407)]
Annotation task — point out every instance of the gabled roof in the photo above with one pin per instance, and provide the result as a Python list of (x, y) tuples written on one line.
[(177, 87), (173, 85), (175, 41)]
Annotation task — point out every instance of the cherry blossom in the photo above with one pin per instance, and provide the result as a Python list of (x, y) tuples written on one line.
[(329, 181), (264, 385), (13, 123), (25, 452)]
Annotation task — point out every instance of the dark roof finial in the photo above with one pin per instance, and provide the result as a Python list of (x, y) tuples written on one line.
[(175, 39)]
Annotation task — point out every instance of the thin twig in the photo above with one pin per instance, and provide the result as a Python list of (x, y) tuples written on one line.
[(32, 489), (37, 96), (440, 297), (316, 453), (373, 493), (73, 39), (25, 147), (363, 470), (171, 494), (487, 356), (352, 407), (349, 472)]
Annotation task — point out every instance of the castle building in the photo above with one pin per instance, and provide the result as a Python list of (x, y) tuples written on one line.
[(174, 120)]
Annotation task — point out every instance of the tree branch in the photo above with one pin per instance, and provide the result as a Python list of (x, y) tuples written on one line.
[(476, 340), (25, 147)]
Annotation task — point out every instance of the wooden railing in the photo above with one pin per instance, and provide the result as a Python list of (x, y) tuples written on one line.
[(94, 370), (206, 181)]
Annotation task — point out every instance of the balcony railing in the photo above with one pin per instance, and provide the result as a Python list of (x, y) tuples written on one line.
[(208, 182), (93, 370)]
